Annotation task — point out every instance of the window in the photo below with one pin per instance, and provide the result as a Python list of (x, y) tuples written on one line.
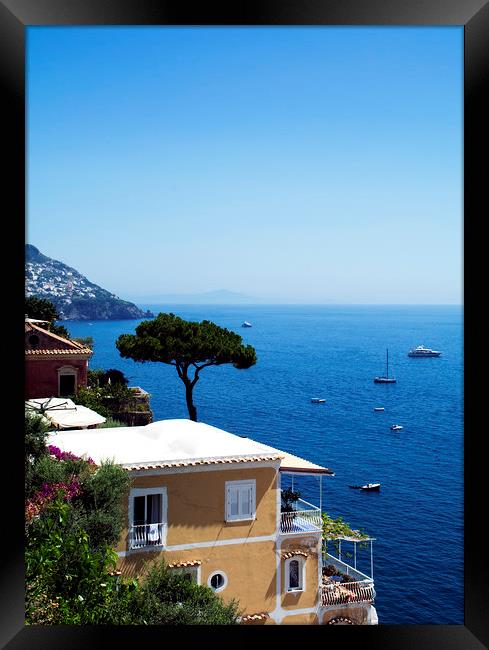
[(66, 385), (147, 517), (217, 581), (240, 500), (192, 573), (294, 574), (67, 381)]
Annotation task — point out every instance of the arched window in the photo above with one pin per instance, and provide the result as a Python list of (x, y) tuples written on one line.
[(295, 574)]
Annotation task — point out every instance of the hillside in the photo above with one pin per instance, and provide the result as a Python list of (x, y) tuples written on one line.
[(75, 297)]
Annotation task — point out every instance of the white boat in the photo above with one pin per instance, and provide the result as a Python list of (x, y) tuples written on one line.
[(318, 400), (246, 324), (396, 427), (371, 486), (379, 408), (367, 486), (386, 379), (421, 351)]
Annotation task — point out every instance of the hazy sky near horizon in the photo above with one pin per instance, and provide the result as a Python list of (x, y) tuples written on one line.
[(291, 164)]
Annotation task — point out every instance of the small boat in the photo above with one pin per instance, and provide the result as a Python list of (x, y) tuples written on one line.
[(246, 324), (379, 408), (396, 427), (421, 351), (371, 486), (386, 379), (318, 400), (374, 487)]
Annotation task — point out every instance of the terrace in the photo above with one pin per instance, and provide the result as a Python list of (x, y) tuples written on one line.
[(304, 518), (343, 583)]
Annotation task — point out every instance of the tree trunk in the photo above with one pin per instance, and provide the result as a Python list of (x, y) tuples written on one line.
[(192, 411)]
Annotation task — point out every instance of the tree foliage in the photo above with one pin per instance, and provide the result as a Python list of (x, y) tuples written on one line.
[(35, 432), (167, 597), (43, 309), (67, 582), (336, 529), (189, 346), (74, 515)]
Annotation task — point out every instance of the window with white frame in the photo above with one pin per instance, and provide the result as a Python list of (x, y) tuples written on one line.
[(217, 581), (191, 573), (294, 574), (147, 517), (240, 500)]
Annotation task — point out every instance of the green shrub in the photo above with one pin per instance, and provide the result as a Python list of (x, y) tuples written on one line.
[(165, 597), (110, 423)]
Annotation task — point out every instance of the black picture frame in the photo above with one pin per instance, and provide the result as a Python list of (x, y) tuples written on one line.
[(15, 16)]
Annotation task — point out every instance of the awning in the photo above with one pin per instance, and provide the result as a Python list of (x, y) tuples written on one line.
[(295, 464), (63, 413)]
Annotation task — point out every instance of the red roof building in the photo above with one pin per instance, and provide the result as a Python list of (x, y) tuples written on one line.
[(54, 366)]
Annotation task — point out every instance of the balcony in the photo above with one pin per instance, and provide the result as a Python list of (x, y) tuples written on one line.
[(307, 519), (342, 583), (146, 535)]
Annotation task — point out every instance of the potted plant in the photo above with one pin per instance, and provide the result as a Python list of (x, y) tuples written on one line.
[(289, 498)]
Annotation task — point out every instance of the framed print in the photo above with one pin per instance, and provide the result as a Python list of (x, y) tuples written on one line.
[(272, 114)]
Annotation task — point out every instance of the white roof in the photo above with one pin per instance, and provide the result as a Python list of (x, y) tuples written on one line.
[(64, 413), (162, 444), (174, 443)]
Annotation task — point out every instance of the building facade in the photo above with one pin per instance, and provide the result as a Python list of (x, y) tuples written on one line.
[(209, 503), (54, 366)]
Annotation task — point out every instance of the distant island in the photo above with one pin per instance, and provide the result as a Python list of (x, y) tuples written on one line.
[(74, 297), (218, 297)]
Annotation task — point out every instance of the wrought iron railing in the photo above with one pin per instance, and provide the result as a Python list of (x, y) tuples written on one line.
[(308, 519), (146, 535)]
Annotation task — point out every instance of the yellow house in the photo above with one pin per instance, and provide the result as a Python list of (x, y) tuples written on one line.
[(209, 502)]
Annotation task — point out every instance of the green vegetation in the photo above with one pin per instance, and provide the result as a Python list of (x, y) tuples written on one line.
[(289, 498), (168, 597), (189, 346), (110, 423), (86, 341), (92, 398), (107, 393), (74, 515), (336, 529), (43, 309)]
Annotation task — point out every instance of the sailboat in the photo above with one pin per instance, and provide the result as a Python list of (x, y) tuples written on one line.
[(386, 379)]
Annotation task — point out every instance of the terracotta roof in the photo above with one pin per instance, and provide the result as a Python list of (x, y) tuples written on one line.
[(178, 565), (54, 352), (68, 346), (261, 616), (195, 463), (285, 556)]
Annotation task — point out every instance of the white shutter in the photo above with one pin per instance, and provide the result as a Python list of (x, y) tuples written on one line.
[(240, 500)]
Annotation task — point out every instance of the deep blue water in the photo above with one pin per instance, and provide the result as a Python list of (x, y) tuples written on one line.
[(334, 352)]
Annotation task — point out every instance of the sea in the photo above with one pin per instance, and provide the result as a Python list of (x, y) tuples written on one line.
[(334, 352)]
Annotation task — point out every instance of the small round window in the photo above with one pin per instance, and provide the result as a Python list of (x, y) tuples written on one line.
[(217, 581), (34, 340)]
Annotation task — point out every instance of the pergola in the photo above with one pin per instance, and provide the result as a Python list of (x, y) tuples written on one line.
[(356, 538)]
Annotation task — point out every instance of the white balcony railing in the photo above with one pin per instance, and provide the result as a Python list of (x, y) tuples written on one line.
[(146, 535), (308, 519), (360, 590)]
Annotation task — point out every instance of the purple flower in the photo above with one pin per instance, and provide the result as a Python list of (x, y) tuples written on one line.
[(66, 455)]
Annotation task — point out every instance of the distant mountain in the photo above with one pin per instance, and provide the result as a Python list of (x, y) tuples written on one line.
[(219, 297), (74, 297)]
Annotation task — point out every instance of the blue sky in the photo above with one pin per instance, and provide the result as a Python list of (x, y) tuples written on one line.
[(292, 164)]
